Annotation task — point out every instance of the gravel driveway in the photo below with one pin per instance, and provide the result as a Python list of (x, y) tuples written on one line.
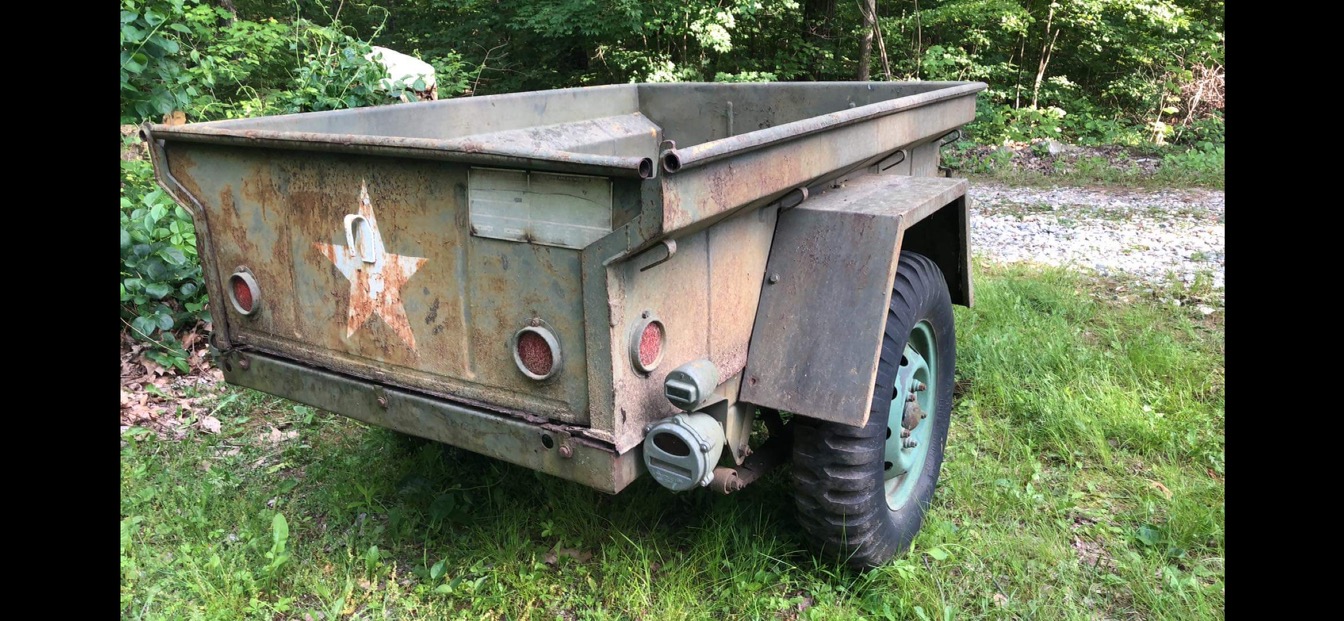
[(1144, 233)]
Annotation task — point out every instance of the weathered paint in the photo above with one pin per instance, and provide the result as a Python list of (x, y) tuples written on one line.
[(819, 327), (274, 195), (705, 295), (376, 275), (279, 213), (517, 440), (569, 211)]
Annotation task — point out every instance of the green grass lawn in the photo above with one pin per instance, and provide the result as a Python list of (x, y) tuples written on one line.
[(1084, 480), (1192, 168)]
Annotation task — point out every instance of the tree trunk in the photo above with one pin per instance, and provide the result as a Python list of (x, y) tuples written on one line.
[(869, 10), (1046, 48), (227, 5), (919, 42), (818, 17)]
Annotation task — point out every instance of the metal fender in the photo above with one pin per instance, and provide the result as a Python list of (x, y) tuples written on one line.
[(818, 333)]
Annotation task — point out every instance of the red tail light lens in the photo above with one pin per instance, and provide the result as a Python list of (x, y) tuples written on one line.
[(647, 343), (243, 292), (536, 352)]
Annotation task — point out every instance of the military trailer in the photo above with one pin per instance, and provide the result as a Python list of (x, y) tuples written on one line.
[(601, 282)]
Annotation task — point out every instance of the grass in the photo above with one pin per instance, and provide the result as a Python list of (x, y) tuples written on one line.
[(1084, 480), (1191, 168)]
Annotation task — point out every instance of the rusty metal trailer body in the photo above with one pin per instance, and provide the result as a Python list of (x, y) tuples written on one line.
[(484, 271)]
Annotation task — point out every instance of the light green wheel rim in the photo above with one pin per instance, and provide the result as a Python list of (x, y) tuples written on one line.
[(916, 376)]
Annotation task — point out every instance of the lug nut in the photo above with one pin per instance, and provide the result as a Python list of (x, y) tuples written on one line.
[(910, 443), (905, 433), (918, 386), (910, 399)]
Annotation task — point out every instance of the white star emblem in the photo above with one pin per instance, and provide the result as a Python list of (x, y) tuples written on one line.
[(376, 276)]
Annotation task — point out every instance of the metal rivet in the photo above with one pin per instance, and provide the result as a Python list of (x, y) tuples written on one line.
[(704, 448), (774, 278), (244, 363), (382, 402), (566, 452), (644, 315)]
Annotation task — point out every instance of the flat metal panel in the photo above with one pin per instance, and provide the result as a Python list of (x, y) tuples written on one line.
[(705, 294), (568, 211), (514, 440), (819, 327), (443, 329)]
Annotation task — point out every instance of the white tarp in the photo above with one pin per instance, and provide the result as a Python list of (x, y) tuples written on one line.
[(403, 67)]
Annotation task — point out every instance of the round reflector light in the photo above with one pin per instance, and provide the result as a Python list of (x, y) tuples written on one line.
[(536, 352), (243, 292), (647, 342)]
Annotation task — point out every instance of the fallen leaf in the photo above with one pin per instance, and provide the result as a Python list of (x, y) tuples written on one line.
[(209, 424), (1001, 599), (1165, 492)]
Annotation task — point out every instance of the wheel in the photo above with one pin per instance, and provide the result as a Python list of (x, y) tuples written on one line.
[(861, 493)]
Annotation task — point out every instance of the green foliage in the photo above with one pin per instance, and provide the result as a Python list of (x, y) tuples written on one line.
[(161, 287), (334, 73), (278, 555), (190, 56), (153, 81)]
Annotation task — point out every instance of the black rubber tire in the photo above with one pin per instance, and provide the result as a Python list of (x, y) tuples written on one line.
[(838, 469)]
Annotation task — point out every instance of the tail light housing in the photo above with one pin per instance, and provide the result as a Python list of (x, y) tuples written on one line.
[(648, 340), (244, 293), (536, 351)]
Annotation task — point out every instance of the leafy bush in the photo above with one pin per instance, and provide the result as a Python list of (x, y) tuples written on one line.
[(153, 81), (161, 287)]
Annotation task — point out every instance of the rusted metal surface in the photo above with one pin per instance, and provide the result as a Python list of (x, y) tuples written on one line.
[(705, 295), (819, 330), (436, 315), (377, 255), (534, 444), (595, 131), (772, 453), (694, 195), (676, 160)]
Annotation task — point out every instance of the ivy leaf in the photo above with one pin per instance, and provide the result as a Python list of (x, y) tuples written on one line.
[(144, 325), (173, 256), (158, 291), (1149, 536)]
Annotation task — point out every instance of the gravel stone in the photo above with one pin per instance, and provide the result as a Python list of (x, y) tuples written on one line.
[(1150, 234)]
